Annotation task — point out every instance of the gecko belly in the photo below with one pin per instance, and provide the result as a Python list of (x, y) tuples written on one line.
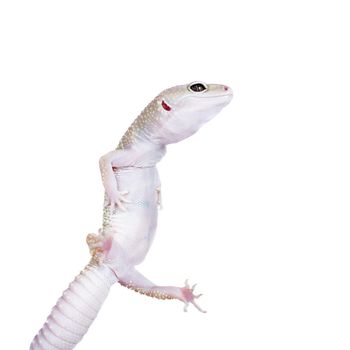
[(134, 228)]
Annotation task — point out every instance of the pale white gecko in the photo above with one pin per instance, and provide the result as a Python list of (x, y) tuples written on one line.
[(132, 198)]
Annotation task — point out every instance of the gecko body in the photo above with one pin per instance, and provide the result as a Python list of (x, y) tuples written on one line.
[(130, 211), (131, 180)]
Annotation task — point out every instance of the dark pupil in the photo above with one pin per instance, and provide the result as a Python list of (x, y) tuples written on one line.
[(197, 87)]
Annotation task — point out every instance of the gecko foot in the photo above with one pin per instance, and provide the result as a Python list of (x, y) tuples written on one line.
[(99, 246), (117, 198), (189, 297)]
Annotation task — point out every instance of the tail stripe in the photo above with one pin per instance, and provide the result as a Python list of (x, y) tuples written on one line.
[(72, 313), (97, 274), (68, 321), (78, 306), (61, 332), (82, 282), (95, 278), (81, 304), (44, 342), (36, 344), (91, 287), (53, 340), (78, 289)]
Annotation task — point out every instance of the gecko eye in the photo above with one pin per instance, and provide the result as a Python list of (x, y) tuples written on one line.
[(197, 87), (166, 106)]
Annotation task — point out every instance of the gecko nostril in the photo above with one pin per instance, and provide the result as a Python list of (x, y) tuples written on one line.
[(226, 87)]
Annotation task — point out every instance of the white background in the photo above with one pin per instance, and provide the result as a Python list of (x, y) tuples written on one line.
[(256, 205)]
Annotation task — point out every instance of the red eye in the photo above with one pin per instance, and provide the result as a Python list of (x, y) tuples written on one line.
[(166, 106)]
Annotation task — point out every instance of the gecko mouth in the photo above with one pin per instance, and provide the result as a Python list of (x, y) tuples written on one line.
[(230, 94), (215, 96), (223, 98)]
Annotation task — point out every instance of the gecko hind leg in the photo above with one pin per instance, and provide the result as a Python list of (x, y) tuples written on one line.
[(99, 246), (105, 250), (134, 280)]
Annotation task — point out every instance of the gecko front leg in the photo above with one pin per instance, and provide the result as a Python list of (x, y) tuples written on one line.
[(159, 192), (159, 198), (116, 198)]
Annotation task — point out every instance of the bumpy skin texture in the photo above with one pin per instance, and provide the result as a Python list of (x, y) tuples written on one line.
[(132, 199)]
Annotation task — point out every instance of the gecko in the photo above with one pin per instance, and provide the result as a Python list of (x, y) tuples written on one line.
[(130, 210)]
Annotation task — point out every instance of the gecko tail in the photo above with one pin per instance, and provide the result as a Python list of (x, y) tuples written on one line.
[(75, 310)]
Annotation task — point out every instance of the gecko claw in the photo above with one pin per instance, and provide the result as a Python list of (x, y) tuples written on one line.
[(198, 307), (120, 205), (185, 307)]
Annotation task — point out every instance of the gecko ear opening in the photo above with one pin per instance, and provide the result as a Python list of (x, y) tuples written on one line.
[(166, 106)]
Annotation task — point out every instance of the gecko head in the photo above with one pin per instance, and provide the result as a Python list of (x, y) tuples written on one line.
[(185, 108)]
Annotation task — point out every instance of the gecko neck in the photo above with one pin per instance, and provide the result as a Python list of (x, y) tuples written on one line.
[(142, 153)]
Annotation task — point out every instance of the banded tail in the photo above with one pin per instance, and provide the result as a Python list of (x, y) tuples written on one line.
[(75, 310)]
